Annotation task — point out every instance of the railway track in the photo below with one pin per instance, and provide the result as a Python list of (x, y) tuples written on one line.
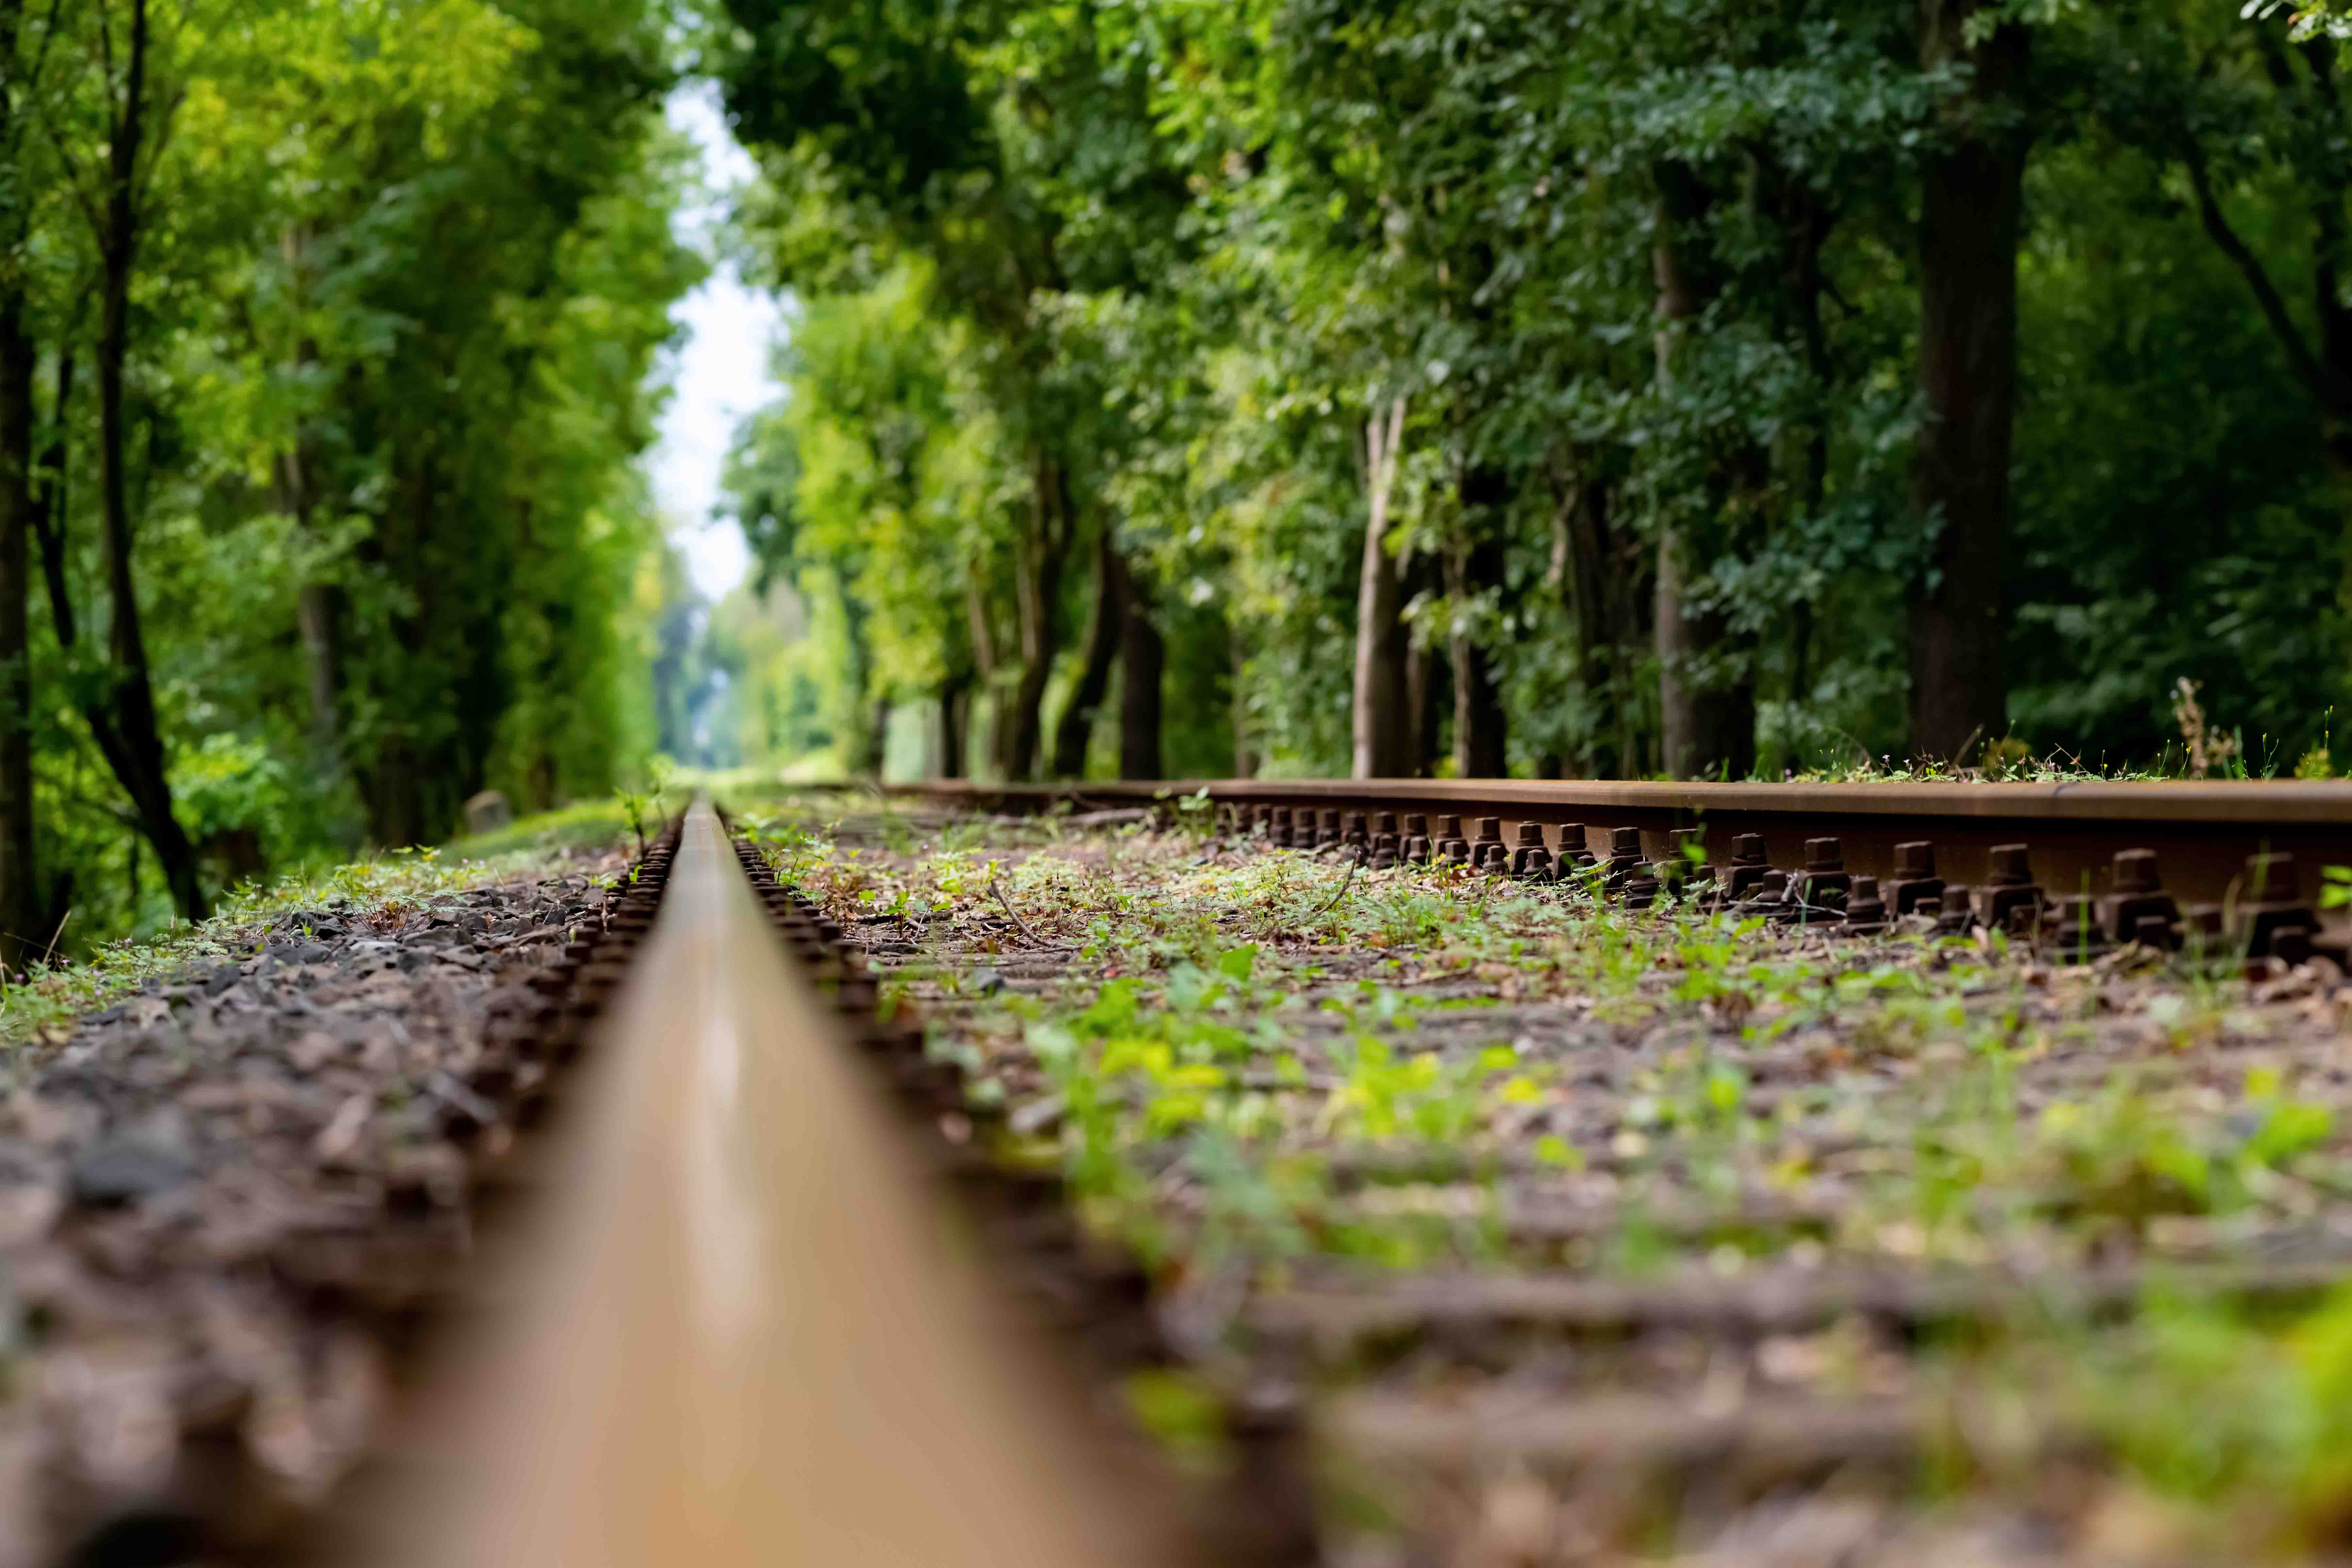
[(734, 1327), (1713, 1259), (1466, 1201), (2228, 862)]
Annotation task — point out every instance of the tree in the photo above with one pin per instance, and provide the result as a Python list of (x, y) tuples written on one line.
[(1969, 202), (1380, 718), (20, 898)]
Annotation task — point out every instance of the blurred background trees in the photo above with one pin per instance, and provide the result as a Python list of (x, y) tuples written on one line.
[(1720, 389), (325, 336), (1171, 388)]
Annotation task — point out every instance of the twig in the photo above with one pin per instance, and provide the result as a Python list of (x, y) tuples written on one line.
[(1344, 886), (55, 934), (1006, 906)]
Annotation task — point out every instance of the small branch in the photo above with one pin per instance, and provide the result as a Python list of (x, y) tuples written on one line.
[(2308, 369), (1349, 882), (54, 935), (1005, 904)]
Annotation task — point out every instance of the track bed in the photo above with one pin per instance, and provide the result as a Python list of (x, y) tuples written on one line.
[(226, 1198), (1546, 1230)]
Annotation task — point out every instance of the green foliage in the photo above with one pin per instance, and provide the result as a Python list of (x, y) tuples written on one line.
[(404, 275), (1182, 256)]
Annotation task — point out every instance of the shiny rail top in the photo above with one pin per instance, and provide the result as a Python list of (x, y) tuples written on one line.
[(745, 1334)]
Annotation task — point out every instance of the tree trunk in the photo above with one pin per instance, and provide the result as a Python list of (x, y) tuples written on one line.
[(983, 660), (139, 760), (1967, 381), (1707, 719), (955, 721), (1142, 656), (1706, 722), (1075, 730), (20, 901), (1428, 683), (1245, 756), (862, 755), (1479, 750), (1424, 676), (1044, 550), (1381, 721), (314, 604)]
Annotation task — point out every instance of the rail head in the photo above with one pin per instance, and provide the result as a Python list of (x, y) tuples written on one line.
[(2155, 802), (740, 1329)]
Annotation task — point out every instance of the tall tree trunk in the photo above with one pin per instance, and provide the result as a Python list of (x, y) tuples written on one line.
[(1076, 729), (1428, 685), (868, 715), (1479, 751), (1708, 717), (1380, 718), (1811, 222), (984, 666), (1706, 722), (314, 601), (1246, 754), (955, 721), (1968, 379), (141, 764), (1578, 573), (1044, 550), (1142, 656), (1424, 676), (20, 900)]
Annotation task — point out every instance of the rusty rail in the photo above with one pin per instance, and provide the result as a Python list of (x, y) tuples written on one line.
[(2205, 837), (738, 1329)]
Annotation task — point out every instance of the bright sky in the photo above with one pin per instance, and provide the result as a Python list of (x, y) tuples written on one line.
[(721, 372)]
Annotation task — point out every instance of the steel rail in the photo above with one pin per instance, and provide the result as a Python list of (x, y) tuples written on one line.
[(739, 1330), (2202, 831)]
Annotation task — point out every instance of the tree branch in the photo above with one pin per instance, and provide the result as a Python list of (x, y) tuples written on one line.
[(2324, 385)]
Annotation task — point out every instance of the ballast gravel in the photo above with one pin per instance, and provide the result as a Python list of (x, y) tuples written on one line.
[(224, 1199)]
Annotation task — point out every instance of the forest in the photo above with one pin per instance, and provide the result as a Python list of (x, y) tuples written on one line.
[(327, 343), (1479, 386), (1170, 389)]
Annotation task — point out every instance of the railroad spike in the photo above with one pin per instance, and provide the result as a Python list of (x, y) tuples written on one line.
[(1531, 858), (2138, 899), (1415, 849), (1915, 879), (2272, 920), (2009, 887), (1486, 852)]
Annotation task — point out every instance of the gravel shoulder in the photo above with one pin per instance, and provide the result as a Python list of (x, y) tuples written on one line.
[(225, 1196)]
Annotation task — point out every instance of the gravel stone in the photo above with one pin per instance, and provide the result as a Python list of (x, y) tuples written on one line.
[(124, 1170), (223, 1196)]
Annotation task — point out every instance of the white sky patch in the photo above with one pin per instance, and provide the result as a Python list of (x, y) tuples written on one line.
[(719, 373)]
